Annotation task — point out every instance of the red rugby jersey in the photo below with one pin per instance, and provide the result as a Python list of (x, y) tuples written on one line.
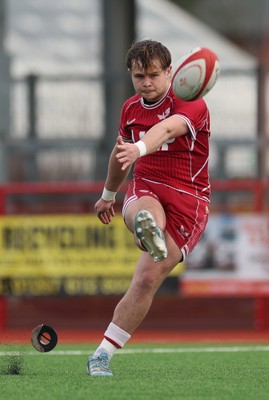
[(181, 163)]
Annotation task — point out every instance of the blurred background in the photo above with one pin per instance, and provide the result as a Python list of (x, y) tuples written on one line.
[(63, 80)]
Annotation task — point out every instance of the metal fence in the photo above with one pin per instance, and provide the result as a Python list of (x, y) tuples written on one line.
[(56, 125)]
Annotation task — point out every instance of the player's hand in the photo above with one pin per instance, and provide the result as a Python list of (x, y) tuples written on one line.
[(105, 210), (127, 154)]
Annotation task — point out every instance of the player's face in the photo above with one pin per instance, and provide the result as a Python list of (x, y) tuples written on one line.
[(151, 83)]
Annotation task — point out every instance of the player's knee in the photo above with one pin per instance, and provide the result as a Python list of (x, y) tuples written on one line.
[(148, 282)]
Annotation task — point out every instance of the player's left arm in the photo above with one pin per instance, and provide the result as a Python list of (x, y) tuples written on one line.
[(155, 137)]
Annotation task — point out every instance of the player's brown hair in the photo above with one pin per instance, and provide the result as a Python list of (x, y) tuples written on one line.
[(146, 51)]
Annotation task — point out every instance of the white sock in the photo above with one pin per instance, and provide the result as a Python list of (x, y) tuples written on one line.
[(114, 339)]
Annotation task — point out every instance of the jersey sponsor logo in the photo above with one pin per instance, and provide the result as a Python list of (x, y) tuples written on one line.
[(164, 115)]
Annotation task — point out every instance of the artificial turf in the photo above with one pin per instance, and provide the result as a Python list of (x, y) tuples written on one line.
[(232, 372)]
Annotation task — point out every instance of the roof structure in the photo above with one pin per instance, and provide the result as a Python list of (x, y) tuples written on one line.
[(53, 37), (180, 31)]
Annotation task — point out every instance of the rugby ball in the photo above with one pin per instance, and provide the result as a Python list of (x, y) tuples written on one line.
[(195, 74)]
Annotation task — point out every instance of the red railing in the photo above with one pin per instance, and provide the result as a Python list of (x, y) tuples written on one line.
[(257, 188)]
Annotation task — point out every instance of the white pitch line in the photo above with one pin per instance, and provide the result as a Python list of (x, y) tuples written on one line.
[(230, 349)]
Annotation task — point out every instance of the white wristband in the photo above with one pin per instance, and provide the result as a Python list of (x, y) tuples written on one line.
[(107, 195), (141, 147)]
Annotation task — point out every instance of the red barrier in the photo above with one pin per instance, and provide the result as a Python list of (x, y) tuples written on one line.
[(3, 312), (258, 189)]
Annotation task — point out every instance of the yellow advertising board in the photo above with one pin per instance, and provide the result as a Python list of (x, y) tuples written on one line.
[(74, 249)]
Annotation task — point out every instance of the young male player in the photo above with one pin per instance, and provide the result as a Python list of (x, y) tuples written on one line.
[(166, 204)]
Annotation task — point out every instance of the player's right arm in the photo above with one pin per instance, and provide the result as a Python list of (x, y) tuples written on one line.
[(104, 207)]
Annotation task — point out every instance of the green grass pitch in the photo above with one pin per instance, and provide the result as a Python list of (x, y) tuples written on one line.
[(141, 372)]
